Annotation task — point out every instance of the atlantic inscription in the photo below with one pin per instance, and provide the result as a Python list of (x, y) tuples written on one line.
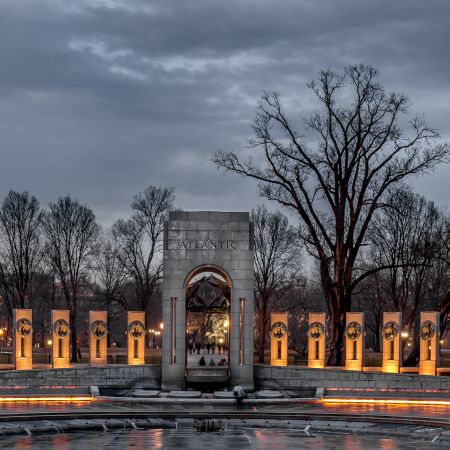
[(207, 245)]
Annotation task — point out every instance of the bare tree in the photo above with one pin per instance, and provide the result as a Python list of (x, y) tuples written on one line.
[(110, 274), (372, 296), (138, 241), (407, 237), (20, 240), (336, 184), (72, 237), (277, 265)]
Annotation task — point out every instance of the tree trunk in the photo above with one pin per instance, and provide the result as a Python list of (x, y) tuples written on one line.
[(262, 330), (377, 346), (73, 335), (338, 309), (413, 357), (337, 327), (145, 305)]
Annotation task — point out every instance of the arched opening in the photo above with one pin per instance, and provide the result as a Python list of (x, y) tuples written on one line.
[(208, 300)]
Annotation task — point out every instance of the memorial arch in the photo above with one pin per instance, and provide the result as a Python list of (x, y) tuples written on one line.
[(207, 299)]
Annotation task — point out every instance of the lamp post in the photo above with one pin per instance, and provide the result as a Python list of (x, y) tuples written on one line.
[(157, 333), (151, 340)]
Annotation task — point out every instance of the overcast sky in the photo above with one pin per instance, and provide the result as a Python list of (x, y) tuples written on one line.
[(101, 98)]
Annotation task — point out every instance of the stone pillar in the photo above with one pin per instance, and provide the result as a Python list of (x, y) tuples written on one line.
[(136, 338), (392, 341), (429, 342), (317, 340), (60, 339), (98, 342), (23, 339), (279, 339), (354, 341)]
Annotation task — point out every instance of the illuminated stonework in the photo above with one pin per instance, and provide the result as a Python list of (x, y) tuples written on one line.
[(429, 342), (198, 244), (354, 341), (317, 340), (23, 339), (279, 339), (136, 338), (392, 342), (60, 339), (98, 338)]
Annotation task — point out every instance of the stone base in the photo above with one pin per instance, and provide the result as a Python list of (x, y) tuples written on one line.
[(24, 364), (143, 393), (427, 368), (391, 366), (316, 363), (61, 363), (353, 364), (184, 394), (268, 394)]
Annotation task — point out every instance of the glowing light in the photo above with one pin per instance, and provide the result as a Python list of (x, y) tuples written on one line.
[(66, 399), (390, 401), (49, 342), (221, 341), (161, 325), (1, 332), (226, 323), (405, 334)]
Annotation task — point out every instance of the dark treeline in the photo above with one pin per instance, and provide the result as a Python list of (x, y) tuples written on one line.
[(60, 258)]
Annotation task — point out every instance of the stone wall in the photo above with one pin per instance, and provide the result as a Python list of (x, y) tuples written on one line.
[(148, 376), (298, 377), (266, 377)]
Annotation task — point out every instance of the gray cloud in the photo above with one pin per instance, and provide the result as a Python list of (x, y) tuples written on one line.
[(101, 98)]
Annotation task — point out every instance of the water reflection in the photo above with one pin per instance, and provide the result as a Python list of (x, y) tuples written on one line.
[(398, 410), (256, 439)]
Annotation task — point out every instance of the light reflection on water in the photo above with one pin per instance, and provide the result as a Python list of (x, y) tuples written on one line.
[(26, 407), (256, 439), (401, 410)]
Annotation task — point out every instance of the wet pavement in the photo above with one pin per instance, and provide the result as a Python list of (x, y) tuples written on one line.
[(357, 409), (256, 439), (283, 435)]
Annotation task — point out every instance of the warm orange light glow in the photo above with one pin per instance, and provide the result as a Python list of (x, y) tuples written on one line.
[(75, 398), (390, 401), (161, 325)]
